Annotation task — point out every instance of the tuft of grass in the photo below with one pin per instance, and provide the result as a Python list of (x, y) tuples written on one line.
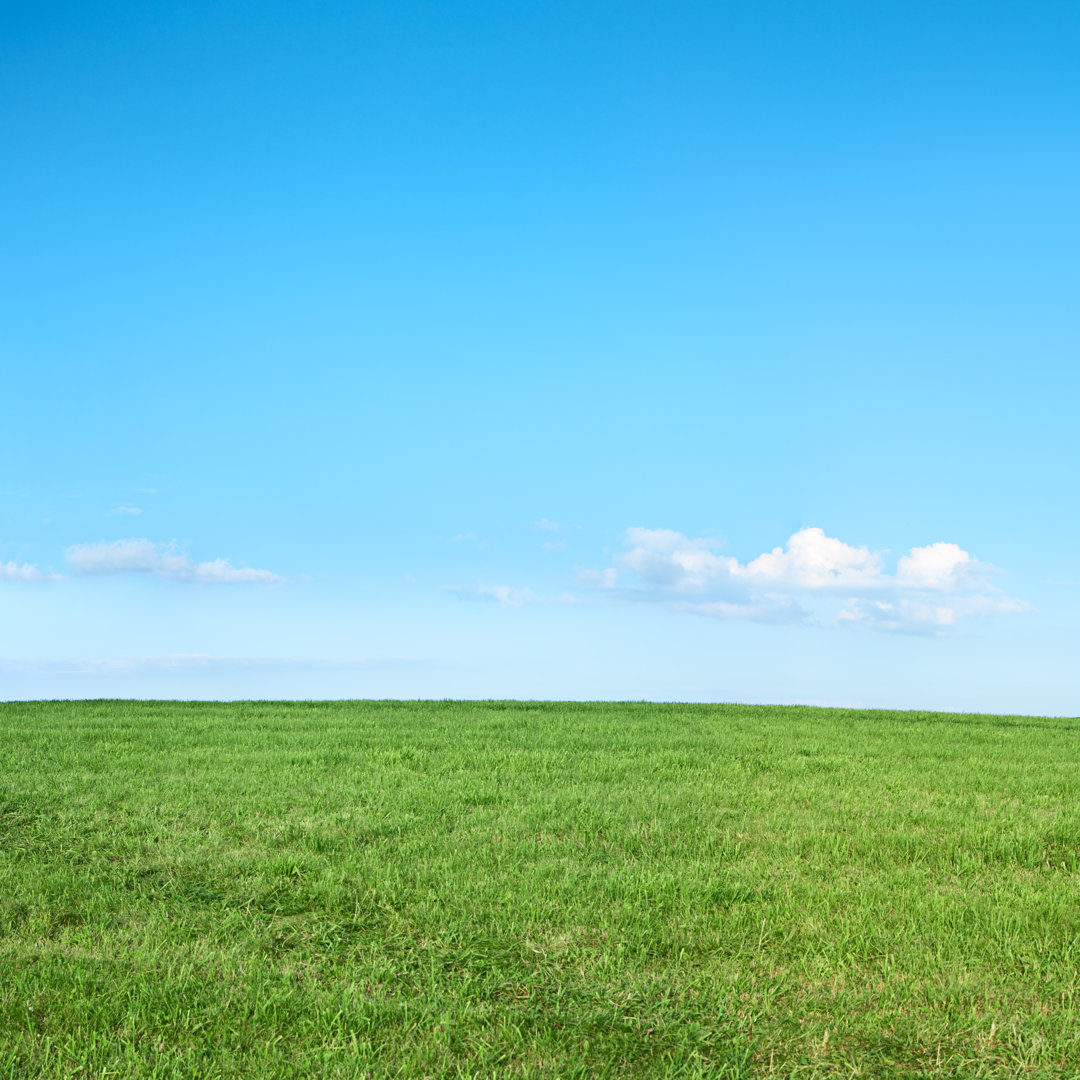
[(520, 889)]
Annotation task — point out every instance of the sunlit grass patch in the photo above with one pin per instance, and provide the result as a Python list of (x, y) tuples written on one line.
[(526, 889)]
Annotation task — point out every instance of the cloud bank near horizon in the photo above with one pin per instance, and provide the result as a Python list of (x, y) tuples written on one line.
[(142, 556), (814, 576)]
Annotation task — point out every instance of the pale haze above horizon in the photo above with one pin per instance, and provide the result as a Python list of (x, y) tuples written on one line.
[(702, 352)]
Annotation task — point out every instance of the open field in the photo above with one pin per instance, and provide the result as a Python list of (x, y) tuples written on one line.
[(515, 889)]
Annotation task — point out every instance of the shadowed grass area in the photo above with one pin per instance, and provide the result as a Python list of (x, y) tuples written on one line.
[(282, 889)]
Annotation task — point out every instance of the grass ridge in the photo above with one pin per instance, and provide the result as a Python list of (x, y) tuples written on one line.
[(535, 889)]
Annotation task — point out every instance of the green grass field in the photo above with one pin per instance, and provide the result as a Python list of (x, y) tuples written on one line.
[(527, 889)]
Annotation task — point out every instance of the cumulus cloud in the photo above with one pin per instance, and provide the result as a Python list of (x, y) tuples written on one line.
[(813, 576), (11, 571), (813, 560), (941, 566), (161, 560)]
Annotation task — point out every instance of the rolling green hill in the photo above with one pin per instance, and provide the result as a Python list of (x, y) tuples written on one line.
[(347, 889)]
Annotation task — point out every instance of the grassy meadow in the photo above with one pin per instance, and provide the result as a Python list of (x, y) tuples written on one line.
[(486, 889)]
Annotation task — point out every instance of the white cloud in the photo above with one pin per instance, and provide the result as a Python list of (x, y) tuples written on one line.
[(815, 561), (160, 560), (554, 545), (940, 566), (933, 588), (132, 511), (11, 571), (812, 560), (546, 525)]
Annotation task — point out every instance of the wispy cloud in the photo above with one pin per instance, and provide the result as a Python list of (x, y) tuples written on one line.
[(11, 571), (202, 661), (599, 579), (132, 511), (547, 525), (216, 678), (932, 589), (469, 538), (141, 556), (509, 595), (926, 613)]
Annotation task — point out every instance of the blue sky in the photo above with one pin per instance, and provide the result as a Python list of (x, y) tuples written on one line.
[(685, 351)]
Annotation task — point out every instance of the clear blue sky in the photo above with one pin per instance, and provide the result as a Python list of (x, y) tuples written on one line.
[(476, 350)]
